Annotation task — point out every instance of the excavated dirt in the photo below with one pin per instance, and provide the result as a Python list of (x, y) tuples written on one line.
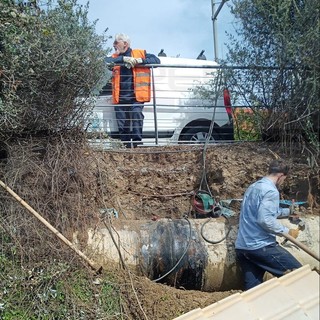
[(146, 183), (153, 183)]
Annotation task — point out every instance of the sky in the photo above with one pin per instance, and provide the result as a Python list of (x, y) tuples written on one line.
[(181, 27)]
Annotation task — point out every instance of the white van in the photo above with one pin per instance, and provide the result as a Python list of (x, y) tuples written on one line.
[(178, 112)]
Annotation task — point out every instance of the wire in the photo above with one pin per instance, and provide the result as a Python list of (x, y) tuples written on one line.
[(204, 173), (217, 241)]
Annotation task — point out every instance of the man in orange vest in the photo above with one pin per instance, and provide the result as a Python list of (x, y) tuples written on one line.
[(130, 87)]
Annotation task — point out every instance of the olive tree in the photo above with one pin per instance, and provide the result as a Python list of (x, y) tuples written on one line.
[(51, 67), (277, 43), (51, 64)]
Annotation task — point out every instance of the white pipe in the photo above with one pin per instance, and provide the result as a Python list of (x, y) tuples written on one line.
[(153, 247)]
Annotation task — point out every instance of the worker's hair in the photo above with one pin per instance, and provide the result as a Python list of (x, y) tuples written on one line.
[(278, 166), (122, 37)]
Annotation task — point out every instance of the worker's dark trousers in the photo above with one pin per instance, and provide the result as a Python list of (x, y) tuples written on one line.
[(130, 121), (273, 258)]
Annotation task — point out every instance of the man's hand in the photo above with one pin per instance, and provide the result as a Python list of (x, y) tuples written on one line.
[(110, 66), (130, 62), (294, 233)]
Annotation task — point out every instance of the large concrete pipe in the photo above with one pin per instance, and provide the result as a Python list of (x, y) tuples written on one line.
[(188, 253)]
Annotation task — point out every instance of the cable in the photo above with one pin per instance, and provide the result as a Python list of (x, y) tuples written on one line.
[(217, 241), (204, 173)]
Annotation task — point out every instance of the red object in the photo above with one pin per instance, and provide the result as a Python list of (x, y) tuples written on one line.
[(227, 100)]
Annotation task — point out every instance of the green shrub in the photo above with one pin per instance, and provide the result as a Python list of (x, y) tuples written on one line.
[(50, 57)]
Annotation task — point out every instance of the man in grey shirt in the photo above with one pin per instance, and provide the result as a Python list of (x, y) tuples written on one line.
[(256, 247)]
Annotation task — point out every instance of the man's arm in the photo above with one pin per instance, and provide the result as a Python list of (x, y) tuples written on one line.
[(110, 60), (268, 213), (151, 59), (131, 62), (283, 212)]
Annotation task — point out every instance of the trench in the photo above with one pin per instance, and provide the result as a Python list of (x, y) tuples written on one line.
[(175, 252)]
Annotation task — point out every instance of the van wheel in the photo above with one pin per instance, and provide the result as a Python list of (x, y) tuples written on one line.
[(198, 135)]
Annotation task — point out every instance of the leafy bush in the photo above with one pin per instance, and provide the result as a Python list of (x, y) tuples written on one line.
[(278, 49), (247, 124), (52, 62)]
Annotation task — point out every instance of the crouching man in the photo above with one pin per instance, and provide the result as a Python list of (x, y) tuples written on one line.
[(256, 248)]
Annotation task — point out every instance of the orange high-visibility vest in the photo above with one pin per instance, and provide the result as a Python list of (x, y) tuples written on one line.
[(141, 79)]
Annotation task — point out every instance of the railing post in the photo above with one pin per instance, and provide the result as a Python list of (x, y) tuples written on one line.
[(154, 107)]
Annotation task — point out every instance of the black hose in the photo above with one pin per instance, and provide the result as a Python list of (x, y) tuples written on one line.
[(217, 241)]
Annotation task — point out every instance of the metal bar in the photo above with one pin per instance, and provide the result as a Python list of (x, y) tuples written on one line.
[(251, 67), (154, 108), (214, 29), (214, 26), (301, 246)]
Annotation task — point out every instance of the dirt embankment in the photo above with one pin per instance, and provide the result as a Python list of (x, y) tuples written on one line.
[(142, 184), (152, 183), (148, 182)]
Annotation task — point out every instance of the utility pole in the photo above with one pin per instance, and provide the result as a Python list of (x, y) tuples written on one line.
[(214, 25)]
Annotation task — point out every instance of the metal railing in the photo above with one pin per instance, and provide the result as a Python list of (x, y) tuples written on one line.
[(187, 99), (184, 102)]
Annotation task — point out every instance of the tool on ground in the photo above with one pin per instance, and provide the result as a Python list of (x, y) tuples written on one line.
[(50, 227), (203, 204)]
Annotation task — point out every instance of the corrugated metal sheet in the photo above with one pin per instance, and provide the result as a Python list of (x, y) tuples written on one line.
[(295, 296)]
